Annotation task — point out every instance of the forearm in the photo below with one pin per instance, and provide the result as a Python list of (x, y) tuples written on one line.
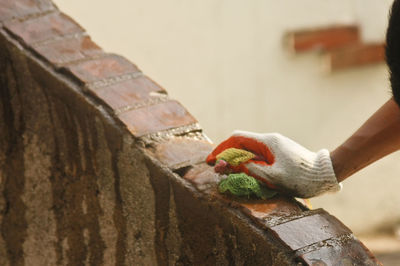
[(376, 138)]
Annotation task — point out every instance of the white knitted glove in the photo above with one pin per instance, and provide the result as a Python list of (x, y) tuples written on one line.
[(296, 170)]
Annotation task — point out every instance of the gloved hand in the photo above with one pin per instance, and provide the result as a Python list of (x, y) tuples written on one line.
[(287, 166)]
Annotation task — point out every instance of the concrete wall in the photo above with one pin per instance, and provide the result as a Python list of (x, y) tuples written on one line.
[(226, 62)]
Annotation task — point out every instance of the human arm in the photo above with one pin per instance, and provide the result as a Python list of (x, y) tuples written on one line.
[(380, 134), (303, 173), (296, 171), (376, 138)]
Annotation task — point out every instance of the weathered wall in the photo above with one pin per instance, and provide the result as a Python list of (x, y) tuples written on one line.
[(231, 53), (68, 174), (98, 166)]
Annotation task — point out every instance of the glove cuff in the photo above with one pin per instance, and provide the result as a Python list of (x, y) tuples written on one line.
[(321, 175)]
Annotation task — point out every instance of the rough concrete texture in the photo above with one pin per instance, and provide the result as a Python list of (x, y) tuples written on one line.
[(75, 188), (81, 185)]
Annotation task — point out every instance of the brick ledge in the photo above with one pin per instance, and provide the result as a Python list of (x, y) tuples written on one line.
[(299, 234)]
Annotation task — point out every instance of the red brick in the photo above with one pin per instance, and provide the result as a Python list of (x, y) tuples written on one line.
[(12, 8), (128, 92), (276, 207), (202, 176), (159, 117), (68, 50), (326, 38), (179, 152), (356, 55), (309, 230), (101, 68), (279, 208), (44, 27), (344, 252)]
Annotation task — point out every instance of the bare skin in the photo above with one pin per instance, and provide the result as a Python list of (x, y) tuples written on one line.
[(376, 138)]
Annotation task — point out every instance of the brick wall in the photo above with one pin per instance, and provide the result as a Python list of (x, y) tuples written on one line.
[(98, 166), (341, 46)]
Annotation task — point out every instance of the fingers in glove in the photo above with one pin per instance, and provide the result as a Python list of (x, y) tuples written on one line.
[(243, 168), (273, 178), (255, 146), (226, 144), (263, 172)]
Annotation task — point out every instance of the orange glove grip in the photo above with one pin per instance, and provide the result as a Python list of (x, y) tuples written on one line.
[(263, 155), (262, 152)]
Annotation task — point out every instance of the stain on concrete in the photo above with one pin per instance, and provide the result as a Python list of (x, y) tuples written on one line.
[(13, 226)]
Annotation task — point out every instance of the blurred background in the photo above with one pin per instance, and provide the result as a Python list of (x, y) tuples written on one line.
[(227, 62)]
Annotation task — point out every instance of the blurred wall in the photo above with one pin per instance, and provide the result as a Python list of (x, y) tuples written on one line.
[(224, 60)]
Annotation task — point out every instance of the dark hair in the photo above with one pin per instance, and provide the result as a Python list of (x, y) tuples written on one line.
[(393, 49)]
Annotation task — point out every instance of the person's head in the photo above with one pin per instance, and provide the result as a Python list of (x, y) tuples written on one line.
[(393, 49)]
